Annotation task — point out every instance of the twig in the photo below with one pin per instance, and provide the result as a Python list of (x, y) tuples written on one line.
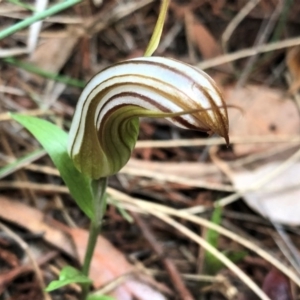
[(294, 253), (148, 207), (47, 188), (191, 277), (60, 205), (135, 203), (169, 265), (248, 52), (9, 276), (99, 23), (260, 40), (35, 28), (113, 284), (26, 248), (236, 21), (218, 141), (21, 162), (245, 278), (177, 179)]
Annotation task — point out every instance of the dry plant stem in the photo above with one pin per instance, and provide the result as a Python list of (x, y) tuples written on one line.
[(218, 141), (112, 285), (177, 179), (98, 188), (248, 52), (8, 277), (236, 21), (27, 193), (247, 280), (150, 207), (35, 266), (139, 205), (291, 250), (169, 265), (260, 40)]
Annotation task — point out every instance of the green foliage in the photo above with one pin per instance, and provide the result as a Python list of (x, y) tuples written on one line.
[(54, 141), (67, 276), (211, 264), (36, 17)]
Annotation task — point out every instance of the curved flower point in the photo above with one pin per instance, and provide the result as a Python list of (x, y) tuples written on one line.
[(105, 126)]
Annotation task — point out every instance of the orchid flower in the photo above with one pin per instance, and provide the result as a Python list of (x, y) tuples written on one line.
[(105, 126)]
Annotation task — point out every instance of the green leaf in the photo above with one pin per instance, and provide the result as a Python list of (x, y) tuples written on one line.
[(67, 276), (155, 38), (54, 141), (212, 236), (236, 256), (100, 297), (212, 264)]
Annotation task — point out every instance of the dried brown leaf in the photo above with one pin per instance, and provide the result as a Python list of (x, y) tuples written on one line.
[(108, 263), (265, 111), (277, 200)]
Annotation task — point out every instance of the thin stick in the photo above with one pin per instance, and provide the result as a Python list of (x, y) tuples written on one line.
[(169, 265), (147, 207), (260, 40), (177, 179), (25, 247), (218, 141), (248, 52), (203, 243), (236, 21)]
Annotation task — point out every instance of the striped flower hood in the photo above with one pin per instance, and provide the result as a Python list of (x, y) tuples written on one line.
[(105, 126)]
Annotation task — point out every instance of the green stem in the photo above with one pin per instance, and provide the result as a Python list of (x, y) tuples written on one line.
[(93, 234), (37, 17), (98, 188)]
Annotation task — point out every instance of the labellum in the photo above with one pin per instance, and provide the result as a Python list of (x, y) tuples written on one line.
[(105, 126)]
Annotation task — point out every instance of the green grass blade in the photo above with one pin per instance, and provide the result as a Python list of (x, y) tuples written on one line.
[(37, 17), (35, 70), (211, 264)]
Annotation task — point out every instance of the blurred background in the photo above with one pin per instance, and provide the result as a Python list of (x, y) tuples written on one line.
[(182, 190)]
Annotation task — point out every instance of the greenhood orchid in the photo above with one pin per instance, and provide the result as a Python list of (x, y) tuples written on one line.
[(105, 126)]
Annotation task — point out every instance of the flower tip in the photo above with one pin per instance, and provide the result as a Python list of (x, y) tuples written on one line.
[(226, 137)]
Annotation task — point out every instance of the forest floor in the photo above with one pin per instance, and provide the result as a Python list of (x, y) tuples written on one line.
[(188, 218)]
